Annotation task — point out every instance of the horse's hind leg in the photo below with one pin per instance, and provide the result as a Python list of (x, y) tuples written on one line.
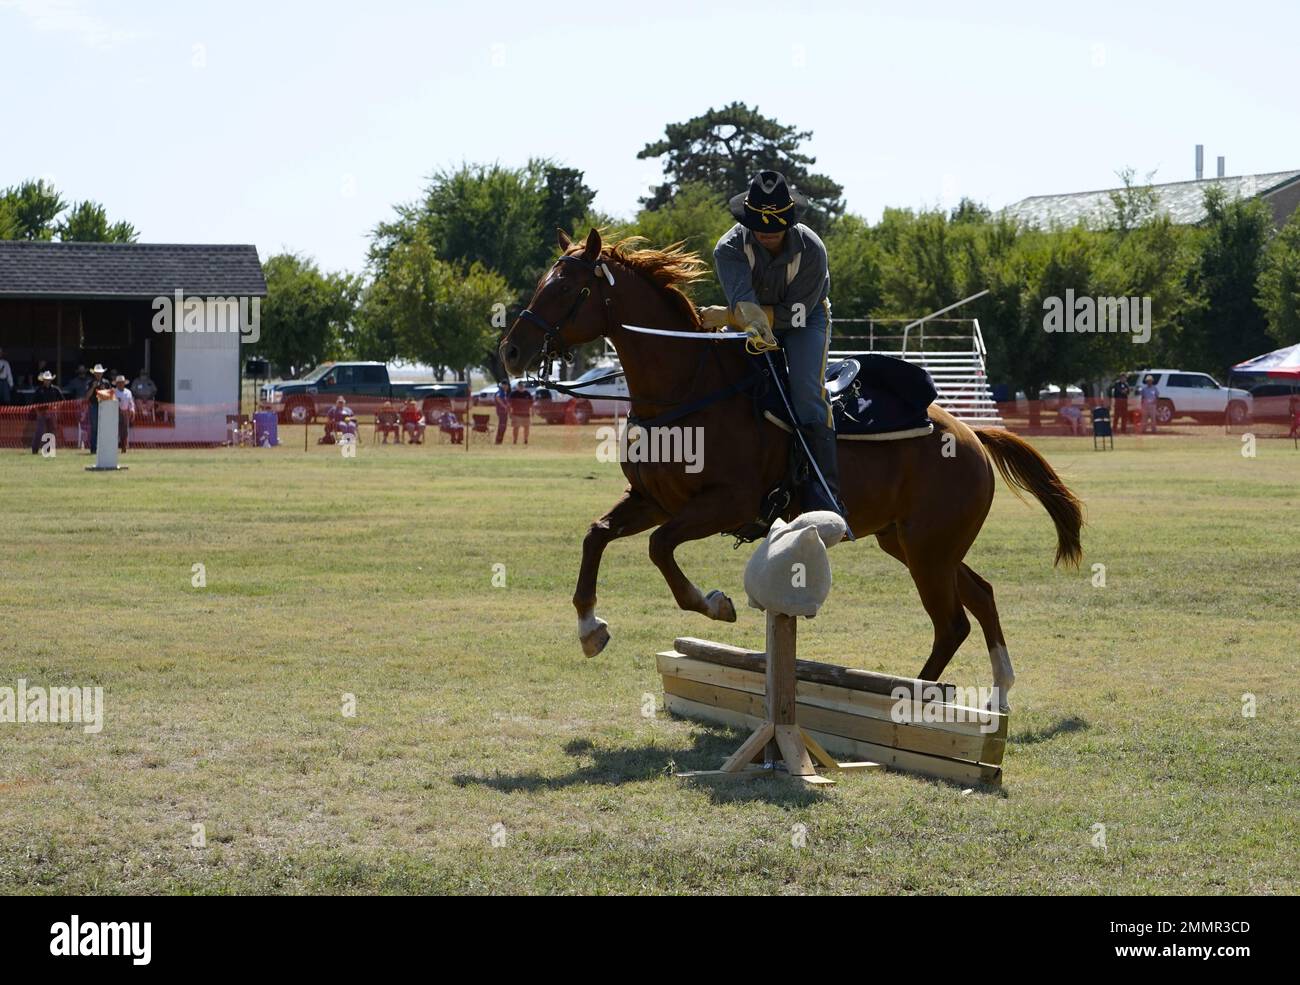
[(936, 583), (630, 515), (977, 595), (702, 516)]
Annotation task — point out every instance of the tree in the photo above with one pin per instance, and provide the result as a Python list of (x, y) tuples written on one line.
[(87, 222), (856, 262), (724, 148), (9, 227), (503, 219), (919, 271), (1279, 283), (1133, 205), (435, 312), (305, 314), (1225, 322), (34, 205), (970, 211)]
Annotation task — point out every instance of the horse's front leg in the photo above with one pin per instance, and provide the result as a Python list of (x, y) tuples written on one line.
[(704, 515), (630, 515)]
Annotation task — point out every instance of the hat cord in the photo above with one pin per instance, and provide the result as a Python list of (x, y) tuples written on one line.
[(770, 210)]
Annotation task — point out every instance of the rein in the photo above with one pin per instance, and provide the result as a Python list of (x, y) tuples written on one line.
[(554, 345)]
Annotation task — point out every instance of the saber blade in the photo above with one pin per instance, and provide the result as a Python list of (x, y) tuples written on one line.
[(702, 336)]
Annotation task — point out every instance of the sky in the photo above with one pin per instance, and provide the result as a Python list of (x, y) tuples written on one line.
[(298, 126)]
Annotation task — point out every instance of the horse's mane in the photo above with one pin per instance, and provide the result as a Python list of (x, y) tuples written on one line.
[(669, 270)]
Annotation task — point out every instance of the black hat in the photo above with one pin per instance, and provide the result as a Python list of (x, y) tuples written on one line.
[(770, 205)]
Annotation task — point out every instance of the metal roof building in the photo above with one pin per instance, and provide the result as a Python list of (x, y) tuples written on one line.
[(1184, 201)]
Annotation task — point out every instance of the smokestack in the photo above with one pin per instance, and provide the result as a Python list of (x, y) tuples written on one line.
[(1200, 161), (1220, 165)]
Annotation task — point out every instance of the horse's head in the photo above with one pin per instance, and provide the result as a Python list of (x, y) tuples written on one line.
[(560, 315)]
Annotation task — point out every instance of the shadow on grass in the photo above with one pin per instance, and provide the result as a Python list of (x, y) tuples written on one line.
[(1064, 727), (636, 764)]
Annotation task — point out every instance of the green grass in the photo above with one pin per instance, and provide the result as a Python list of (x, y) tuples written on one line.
[(373, 577)]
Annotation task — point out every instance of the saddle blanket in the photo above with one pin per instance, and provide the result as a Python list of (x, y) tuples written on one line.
[(873, 398)]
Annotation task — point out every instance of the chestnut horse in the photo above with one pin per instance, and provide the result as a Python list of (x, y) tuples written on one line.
[(924, 498)]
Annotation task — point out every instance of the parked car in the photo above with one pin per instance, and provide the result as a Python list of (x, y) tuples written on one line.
[(1272, 401), (487, 396), (1195, 395), (363, 385), (597, 399)]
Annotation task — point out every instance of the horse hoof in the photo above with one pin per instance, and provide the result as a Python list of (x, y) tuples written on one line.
[(720, 607), (596, 639)]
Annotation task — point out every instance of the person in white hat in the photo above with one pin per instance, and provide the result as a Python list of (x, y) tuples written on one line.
[(125, 409), (46, 395), (97, 383)]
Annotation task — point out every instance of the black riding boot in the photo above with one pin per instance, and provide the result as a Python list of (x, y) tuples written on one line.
[(822, 444)]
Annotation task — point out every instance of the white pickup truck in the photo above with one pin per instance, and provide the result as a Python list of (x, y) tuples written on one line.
[(1195, 395), (597, 400)]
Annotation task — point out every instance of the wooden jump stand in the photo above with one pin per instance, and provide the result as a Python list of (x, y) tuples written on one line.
[(779, 741), (804, 713)]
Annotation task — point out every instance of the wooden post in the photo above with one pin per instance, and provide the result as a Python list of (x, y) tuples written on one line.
[(779, 740)]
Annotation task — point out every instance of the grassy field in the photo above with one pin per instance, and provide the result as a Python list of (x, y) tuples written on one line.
[(478, 720)]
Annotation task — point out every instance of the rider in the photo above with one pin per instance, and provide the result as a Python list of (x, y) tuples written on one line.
[(775, 274)]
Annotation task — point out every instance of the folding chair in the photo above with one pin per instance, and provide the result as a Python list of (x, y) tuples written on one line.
[(1101, 428)]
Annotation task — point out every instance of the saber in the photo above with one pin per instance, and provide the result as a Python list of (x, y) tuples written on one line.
[(706, 336)]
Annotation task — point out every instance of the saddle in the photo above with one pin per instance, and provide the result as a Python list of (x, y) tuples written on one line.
[(873, 398)]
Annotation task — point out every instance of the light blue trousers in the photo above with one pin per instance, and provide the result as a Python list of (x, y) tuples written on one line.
[(805, 352)]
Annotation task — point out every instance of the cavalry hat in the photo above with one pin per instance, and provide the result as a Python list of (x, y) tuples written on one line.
[(770, 205)]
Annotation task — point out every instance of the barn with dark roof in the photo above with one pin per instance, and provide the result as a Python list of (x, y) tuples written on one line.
[(69, 304)]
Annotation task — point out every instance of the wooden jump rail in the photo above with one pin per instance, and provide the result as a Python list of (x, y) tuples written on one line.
[(802, 710)]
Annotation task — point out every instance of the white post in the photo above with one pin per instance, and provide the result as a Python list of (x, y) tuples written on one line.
[(106, 437)]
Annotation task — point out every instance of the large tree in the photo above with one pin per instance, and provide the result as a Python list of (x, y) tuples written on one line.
[(87, 222), (306, 312), (1225, 322), (1279, 284), (34, 205), (32, 210), (724, 148), (431, 311), (503, 219)]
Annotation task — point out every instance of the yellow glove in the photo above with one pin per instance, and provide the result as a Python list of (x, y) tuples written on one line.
[(715, 316), (755, 320)]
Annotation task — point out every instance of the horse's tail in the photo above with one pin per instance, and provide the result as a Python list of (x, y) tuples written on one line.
[(1024, 468)]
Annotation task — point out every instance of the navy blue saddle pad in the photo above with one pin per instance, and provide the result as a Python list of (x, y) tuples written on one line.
[(888, 394)]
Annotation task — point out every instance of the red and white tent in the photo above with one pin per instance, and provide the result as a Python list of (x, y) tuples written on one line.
[(1280, 364)]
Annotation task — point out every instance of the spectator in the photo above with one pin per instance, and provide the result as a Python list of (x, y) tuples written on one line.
[(502, 401), (144, 390), (1293, 406), (450, 425), (46, 395), (97, 383), (6, 379), (387, 422), (1072, 417), (521, 411), (75, 388), (125, 409), (413, 422), (333, 421), (1119, 393), (1150, 396)]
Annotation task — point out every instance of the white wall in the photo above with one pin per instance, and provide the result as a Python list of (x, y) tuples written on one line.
[(206, 386)]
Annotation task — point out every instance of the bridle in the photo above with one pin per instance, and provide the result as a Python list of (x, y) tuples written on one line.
[(554, 346)]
